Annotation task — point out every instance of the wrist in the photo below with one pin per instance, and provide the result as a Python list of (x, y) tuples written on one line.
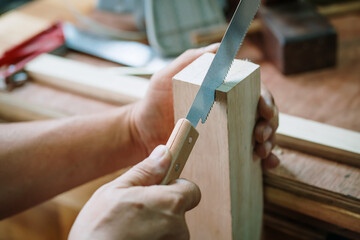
[(124, 147), (135, 136)]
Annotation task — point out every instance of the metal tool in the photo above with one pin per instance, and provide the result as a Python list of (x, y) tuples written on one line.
[(169, 24), (184, 135), (13, 60), (129, 53)]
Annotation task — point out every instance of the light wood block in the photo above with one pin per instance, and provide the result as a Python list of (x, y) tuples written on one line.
[(221, 162), (319, 139), (86, 79), (14, 109)]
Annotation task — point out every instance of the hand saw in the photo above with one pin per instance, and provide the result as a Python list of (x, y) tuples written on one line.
[(184, 135)]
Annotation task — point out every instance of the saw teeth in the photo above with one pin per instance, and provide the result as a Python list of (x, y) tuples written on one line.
[(207, 115), (225, 67)]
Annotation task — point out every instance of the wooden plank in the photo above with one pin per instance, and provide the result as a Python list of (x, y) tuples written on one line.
[(319, 139), (221, 162), (325, 212), (87, 80), (317, 179), (302, 225), (15, 109), (304, 135), (290, 230), (59, 100)]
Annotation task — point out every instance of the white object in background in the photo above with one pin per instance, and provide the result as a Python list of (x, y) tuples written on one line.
[(169, 23)]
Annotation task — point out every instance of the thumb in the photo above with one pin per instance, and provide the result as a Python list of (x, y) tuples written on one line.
[(148, 172)]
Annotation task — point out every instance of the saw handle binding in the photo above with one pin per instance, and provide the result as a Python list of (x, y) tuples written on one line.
[(180, 144)]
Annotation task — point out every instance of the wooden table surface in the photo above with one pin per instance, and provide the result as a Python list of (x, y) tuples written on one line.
[(330, 96)]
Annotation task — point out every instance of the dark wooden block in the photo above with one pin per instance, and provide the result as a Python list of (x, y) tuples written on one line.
[(297, 38)]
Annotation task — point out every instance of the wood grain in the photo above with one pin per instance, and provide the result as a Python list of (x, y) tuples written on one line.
[(180, 144), (15, 109), (317, 179), (59, 100), (300, 226), (326, 212), (304, 135), (85, 79), (330, 96), (221, 162), (319, 139)]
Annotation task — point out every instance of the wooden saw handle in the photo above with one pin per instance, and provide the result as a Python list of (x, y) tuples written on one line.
[(180, 144)]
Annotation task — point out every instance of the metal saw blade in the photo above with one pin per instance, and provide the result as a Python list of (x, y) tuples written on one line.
[(222, 61)]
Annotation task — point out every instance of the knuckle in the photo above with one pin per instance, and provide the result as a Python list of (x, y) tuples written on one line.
[(178, 198), (103, 189), (143, 171), (176, 202), (146, 171)]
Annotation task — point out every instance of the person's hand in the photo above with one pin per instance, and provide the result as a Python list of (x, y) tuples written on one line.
[(132, 207), (153, 117), (266, 125)]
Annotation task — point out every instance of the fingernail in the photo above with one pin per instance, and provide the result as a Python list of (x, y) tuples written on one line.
[(159, 152), (268, 146), (162, 157), (267, 133), (276, 162)]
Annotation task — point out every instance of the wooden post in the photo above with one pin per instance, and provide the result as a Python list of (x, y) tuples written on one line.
[(222, 161)]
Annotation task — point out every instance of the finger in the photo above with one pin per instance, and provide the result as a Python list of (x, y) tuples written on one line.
[(271, 161), (264, 149), (263, 131), (187, 195), (148, 172), (274, 122), (266, 105)]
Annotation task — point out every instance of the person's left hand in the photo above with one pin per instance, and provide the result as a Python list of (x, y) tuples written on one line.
[(153, 117)]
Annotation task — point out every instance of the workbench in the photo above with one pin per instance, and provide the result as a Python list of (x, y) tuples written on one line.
[(330, 96)]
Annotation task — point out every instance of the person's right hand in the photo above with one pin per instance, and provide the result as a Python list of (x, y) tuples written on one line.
[(132, 207)]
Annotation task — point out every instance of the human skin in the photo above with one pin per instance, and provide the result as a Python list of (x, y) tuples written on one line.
[(39, 160), (159, 99), (135, 207)]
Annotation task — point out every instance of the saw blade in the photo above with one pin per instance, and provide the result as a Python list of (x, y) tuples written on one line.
[(222, 61)]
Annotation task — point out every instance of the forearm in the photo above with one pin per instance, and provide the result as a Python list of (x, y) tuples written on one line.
[(39, 160)]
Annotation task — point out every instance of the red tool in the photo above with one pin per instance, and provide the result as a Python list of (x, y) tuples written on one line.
[(14, 60)]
